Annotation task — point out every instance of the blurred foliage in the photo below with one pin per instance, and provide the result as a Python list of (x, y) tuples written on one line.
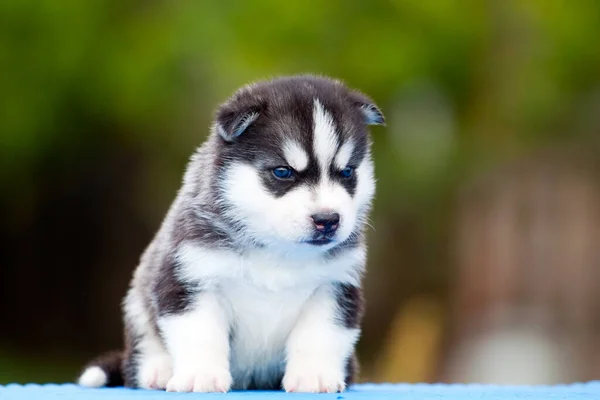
[(463, 84), (151, 68), (138, 63)]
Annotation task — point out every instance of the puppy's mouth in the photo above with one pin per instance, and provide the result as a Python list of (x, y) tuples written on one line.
[(320, 240)]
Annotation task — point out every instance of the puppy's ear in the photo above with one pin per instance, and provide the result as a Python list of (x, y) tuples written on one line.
[(372, 115), (231, 124)]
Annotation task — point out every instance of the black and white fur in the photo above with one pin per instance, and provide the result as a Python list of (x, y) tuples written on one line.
[(239, 289)]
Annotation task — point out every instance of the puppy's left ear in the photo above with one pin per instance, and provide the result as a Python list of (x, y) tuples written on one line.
[(372, 115)]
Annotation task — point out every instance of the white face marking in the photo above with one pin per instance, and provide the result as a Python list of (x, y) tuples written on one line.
[(325, 140), (343, 156), (283, 223), (275, 222), (295, 155), (365, 186), (333, 196)]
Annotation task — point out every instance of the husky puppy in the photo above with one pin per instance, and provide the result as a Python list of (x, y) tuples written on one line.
[(253, 280)]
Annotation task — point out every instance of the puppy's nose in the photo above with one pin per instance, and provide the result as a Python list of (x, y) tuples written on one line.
[(326, 222)]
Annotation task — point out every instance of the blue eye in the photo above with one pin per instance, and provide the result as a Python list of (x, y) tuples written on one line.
[(347, 172), (283, 172)]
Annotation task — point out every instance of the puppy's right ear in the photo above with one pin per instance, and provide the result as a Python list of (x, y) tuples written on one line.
[(231, 124)]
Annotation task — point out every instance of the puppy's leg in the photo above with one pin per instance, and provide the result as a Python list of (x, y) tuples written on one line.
[(146, 364), (198, 341), (323, 340)]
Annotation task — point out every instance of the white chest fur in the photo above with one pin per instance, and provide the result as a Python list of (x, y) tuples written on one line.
[(266, 270), (261, 321), (263, 295)]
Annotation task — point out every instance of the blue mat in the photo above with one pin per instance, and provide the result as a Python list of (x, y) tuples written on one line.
[(587, 391)]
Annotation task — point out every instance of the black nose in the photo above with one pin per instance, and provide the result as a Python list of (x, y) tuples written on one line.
[(326, 222)]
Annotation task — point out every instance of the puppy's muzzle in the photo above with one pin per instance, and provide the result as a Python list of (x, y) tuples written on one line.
[(326, 223)]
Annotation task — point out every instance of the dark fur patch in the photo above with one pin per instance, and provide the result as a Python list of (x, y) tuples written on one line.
[(350, 304), (172, 296), (273, 384), (278, 188), (348, 183), (201, 227), (130, 360), (352, 368), (356, 158), (355, 239)]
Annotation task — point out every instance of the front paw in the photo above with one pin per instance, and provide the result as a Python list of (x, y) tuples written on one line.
[(200, 380), (313, 378), (155, 372)]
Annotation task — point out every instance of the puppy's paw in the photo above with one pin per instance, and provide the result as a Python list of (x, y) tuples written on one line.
[(155, 372), (200, 380), (313, 378)]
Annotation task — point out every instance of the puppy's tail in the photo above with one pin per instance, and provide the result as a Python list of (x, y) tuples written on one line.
[(106, 370)]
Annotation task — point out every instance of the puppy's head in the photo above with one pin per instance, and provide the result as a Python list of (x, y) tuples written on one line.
[(295, 169)]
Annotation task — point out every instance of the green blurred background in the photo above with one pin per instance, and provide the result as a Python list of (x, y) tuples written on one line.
[(485, 257)]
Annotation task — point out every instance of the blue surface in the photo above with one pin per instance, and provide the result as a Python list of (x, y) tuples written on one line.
[(581, 391)]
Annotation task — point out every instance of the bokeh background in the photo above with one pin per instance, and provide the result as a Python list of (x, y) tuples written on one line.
[(485, 257)]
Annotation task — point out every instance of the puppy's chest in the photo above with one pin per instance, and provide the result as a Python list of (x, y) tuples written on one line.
[(261, 316), (261, 321), (265, 298)]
